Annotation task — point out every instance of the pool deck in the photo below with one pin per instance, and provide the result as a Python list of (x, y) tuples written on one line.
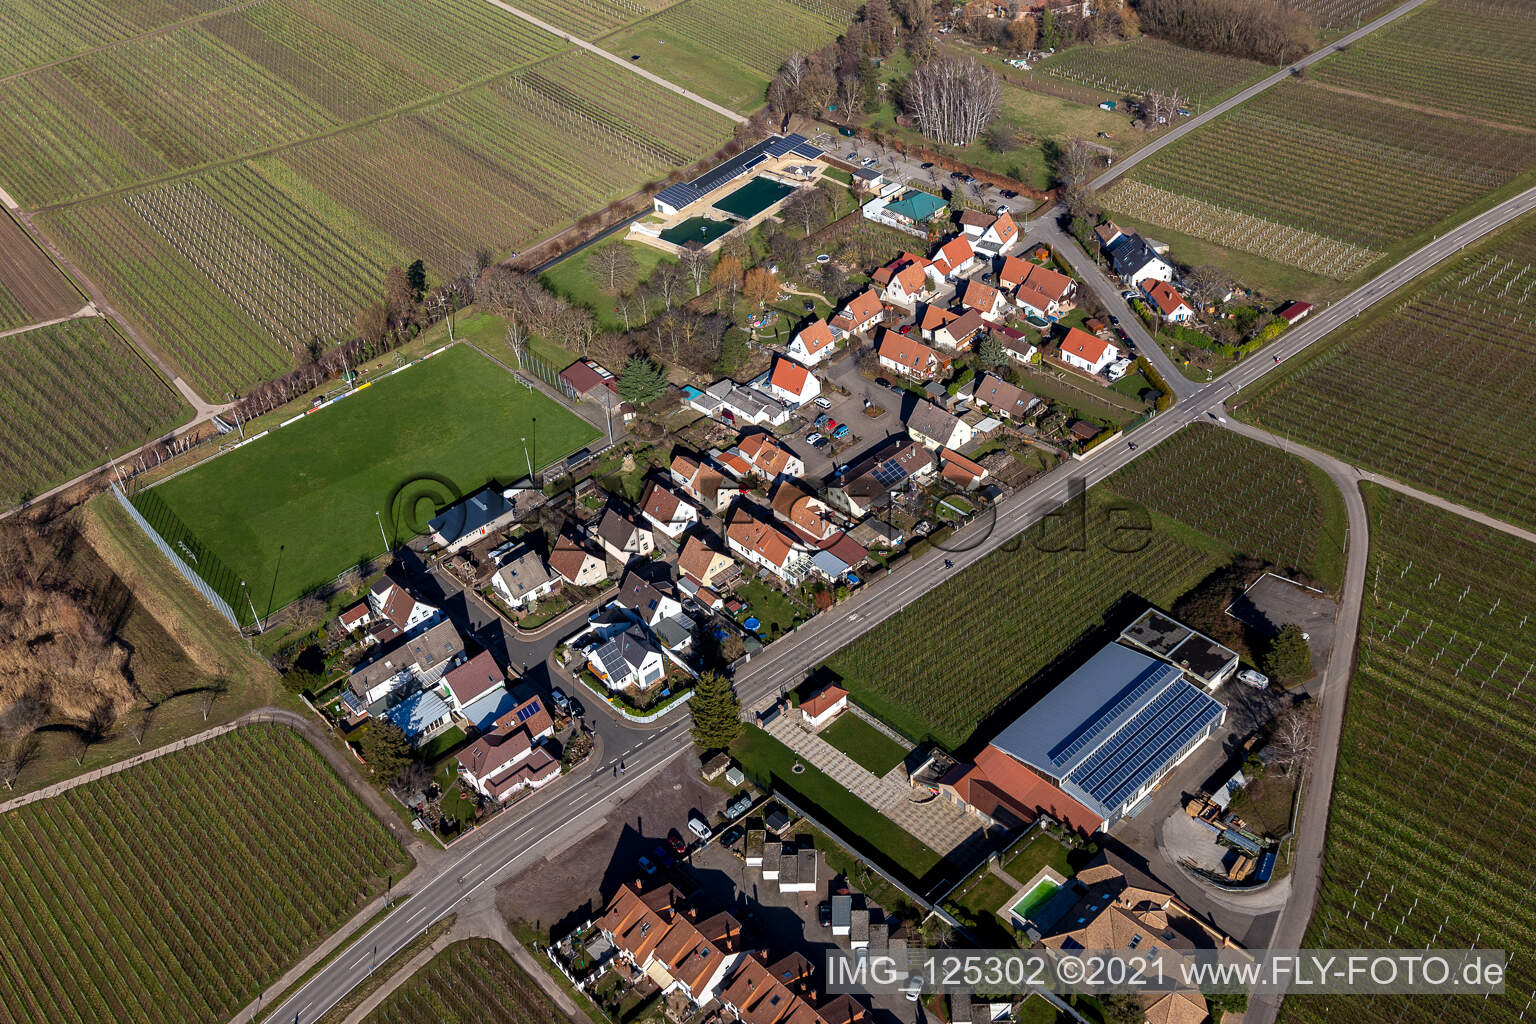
[(647, 230)]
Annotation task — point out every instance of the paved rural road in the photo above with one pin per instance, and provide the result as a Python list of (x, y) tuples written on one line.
[(505, 847), (1126, 163)]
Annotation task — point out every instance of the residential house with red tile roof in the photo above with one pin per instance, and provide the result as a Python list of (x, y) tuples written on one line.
[(791, 382), (658, 936), (1165, 298), (704, 483), (983, 298), (769, 459), (829, 702), (905, 280), (510, 756), (472, 680), (576, 565), (961, 332), (954, 258), (1086, 352), (388, 600), (910, 357), (961, 471), (862, 312), (809, 516), (666, 510), (813, 342), (759, 542), (706, 565)]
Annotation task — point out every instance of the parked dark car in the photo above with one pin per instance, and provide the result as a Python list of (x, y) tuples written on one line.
[(882, 382), (577, 711), (927, 165), (824, 913), (731, 837)]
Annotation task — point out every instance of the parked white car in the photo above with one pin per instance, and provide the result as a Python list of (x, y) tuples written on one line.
[(822, 402), (1254, 678)]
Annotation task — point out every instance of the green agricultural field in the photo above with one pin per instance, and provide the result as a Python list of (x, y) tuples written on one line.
[(1144, 64), (469, 982), (590, 18), (1033, 600), (35, 33), (1322, 180), (1467, 57), (290, 511), (1247, 495), (718, 48), (70, 391), (180, 889), (323, 141), (1437, 388), (1430, 837), (1337, 16)]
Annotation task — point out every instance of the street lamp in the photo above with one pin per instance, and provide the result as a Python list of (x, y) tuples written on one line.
[(382, 535), (528, 458)]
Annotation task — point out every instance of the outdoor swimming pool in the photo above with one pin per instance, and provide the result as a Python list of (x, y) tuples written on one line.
[(696, 229), (754, 197), (1033, 900)]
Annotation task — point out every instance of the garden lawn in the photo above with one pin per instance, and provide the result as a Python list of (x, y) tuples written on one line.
[(864, 743), (571, 279), (290, 511), (766, 760)]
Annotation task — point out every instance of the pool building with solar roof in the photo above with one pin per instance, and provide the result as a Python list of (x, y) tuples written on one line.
[(1095, 746)]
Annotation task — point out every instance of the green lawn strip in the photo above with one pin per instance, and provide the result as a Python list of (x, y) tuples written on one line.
[(292, 510), (441, 745), (1083, 399), (864, 743), (385, 971), (575, 279), (775, 612), (765, 759), (1036, 1009)]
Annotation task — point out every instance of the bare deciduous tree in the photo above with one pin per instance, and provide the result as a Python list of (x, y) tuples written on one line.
[(613, 267), (665, 280), (1295, 737), (1162, 106), (952, 99), (695, 263)]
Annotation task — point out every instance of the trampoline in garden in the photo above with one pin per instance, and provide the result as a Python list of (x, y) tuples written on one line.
[(696, 229), (754, 197), (752, 623)]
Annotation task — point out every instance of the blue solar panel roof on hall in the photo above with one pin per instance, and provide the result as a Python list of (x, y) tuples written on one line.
[(1110, 727), (684, 192), (1155, 674), (1156, 735)]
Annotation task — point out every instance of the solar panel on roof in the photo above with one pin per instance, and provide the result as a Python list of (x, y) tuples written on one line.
[(1075, 742), (1148, 742), (889, 473)]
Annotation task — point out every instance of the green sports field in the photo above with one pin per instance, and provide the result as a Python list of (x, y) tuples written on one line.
[(294, 509)]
